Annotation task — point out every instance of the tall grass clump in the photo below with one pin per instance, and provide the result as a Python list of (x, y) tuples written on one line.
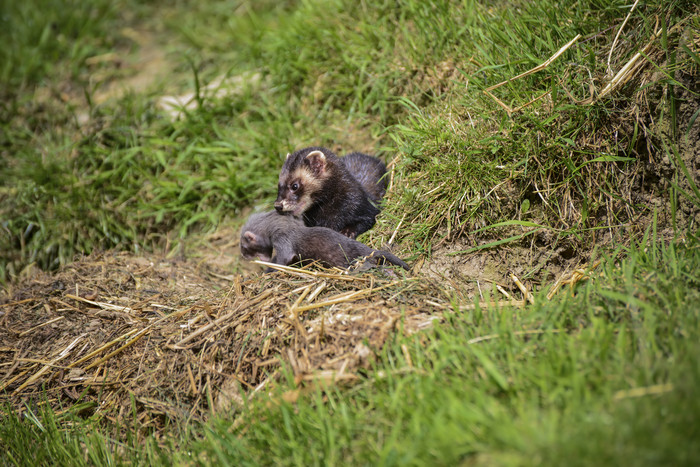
[(38, 37), (577, 160), (132, 182)]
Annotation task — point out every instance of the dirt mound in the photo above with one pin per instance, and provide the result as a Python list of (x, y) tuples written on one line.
[(183, 340)]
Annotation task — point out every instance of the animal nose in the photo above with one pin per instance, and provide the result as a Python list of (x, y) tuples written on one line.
[(279, 207)]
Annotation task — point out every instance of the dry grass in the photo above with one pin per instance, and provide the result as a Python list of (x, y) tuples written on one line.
[(186, 341)]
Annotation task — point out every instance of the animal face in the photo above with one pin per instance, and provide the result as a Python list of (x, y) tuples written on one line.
[(299, 182), (293, 194), (255, 246)]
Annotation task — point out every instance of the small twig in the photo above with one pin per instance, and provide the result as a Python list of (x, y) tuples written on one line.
[(302, 296), (539, 67), (103, 348), (104, 306), (502, 303), (212, 325), (555, 287), (316, 292), (128, 344), (230, 277), (8, 382), (333, 301), (332, 376), (407, 355), (306, 273), (622, 76), (528, 296), (476, 340), (346, 297), (576, 276), (225, 318), (617, 36), (478, 286), (64, 353), (396, 230), (503, 291), (28, 331), (644, 391), (27, 300), (193, 386)]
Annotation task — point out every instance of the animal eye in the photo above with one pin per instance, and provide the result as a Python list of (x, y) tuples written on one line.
[(295, 186)]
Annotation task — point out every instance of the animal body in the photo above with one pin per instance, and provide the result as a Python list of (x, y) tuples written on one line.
[(326, 191), (284, 239), (369, 171)]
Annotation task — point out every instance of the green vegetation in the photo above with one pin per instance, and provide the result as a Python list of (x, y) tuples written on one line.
[(406, 79), (42, 439), (600, 377), (83, 169), (558, 396)]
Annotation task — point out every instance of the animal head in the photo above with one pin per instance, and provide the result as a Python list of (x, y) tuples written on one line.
[(253, 247), (255, 242), (301, 178)]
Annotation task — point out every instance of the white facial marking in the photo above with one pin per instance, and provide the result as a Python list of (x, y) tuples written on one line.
[(316, 153)]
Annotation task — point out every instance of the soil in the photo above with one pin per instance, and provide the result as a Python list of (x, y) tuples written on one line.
[(488, 273), (142, 67)]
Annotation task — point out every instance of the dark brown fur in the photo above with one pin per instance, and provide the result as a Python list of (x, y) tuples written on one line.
[(369, 171), (293, 242), (316, 185)]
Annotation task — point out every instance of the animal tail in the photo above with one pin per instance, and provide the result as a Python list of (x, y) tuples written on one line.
[(393, 259)]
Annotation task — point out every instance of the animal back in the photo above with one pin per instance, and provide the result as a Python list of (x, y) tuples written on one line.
[(369, 171)]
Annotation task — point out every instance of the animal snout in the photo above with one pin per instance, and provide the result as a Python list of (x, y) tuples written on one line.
[(279, 206)]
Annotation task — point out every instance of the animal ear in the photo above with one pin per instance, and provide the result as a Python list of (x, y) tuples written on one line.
[(287, 156), (317, 162), (250, 237)]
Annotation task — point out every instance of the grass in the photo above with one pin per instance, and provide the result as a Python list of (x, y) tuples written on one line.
[(562, 396), (404, 81), (609, 376), (553, 153), (401, 80), (44, 437)]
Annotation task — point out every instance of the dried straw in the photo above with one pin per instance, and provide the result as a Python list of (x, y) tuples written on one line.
[(174, 347)]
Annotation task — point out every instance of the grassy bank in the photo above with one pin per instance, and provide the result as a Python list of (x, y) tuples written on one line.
[(83, 168), (549, 171)]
